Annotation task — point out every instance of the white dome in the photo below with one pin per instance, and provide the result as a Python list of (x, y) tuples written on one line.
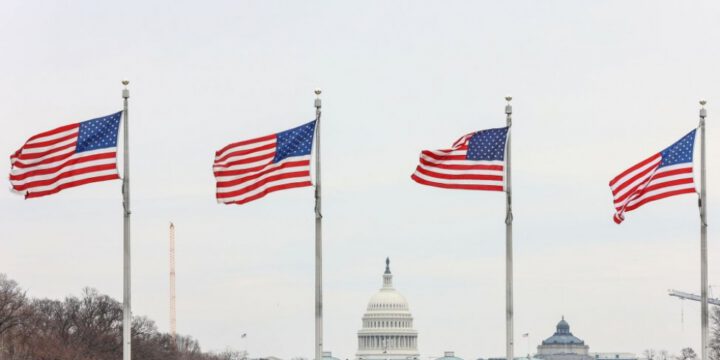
[(387, 331), (388, 300)]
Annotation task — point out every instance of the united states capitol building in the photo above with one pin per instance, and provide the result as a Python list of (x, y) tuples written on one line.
[(387, 326), (387, 333)]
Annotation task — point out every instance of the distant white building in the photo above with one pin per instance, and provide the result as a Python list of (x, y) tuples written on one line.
[(387, 326), (614, 356)]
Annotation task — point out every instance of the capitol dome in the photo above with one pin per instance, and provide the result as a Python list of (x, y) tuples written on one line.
[(387, 331)]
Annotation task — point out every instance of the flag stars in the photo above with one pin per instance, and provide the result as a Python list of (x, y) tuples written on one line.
[(487, 145), (679, 152), (98, 133), (295, 142)]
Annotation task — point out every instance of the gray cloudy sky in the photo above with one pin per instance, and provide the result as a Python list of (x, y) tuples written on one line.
[(598, 86)]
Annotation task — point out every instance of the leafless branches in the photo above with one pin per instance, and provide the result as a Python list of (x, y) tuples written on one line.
[(82, 328)]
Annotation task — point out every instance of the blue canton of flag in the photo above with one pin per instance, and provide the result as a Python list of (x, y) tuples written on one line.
[(679, 152), (295, 142), (488, 145), (98, 133)]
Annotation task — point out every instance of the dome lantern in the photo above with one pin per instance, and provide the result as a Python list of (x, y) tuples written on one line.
[(387, 276), (563, 327)]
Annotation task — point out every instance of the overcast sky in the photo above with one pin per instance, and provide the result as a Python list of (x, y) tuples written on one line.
[(597, 87)]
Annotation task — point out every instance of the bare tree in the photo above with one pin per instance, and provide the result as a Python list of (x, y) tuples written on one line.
[(687, 354), (12, 302), (649, 354), (663, 355), (88, 327), (714, 352), (230, 354)]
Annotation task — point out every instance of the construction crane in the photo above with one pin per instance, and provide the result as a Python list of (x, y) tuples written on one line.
[(172, 281), (684, 295)]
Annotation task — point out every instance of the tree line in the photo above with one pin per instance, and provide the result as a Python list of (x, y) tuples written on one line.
[(688, 353), (88, 327)]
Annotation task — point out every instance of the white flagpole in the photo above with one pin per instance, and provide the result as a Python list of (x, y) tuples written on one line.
[(318, 236), (509, 355), (703, 238), (127, 313)]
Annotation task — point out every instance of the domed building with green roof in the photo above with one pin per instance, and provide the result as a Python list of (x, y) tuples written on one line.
[(449, 355), (327, 355), (563, 345)]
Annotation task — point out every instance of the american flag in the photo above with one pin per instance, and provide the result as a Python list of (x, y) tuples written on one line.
[(476, 161), (66, 157), (250, 169), (667, 173)]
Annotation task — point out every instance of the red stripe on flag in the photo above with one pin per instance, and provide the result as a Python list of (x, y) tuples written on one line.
[(461, 167), (74, 161), (459, 176), (262, 182), (226, 173), (633, 168), (685, 170), (658, 197), (286, 165), (444, 157), (50, 160), (244, 152), (50, 142), (31, 156), (632, 191), (271, 189), (54, 131), (71, 184), (457, 186), (67, 174), (245, 142), (248, 160), (656, 186)]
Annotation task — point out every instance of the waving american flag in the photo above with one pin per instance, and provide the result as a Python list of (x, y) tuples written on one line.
[(69, 156), (250, 169), (667, 173), (476, 161)]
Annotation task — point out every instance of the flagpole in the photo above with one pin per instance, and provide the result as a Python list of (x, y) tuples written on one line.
[(508, 241), (703, 238), (318, 236), (127, 314)]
